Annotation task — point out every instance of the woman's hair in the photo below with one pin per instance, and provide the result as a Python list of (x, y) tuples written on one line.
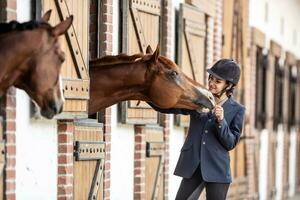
[(229, 91)]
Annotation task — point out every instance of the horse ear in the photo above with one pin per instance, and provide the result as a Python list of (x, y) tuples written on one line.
[(155, 55), (46, 16), (63, 26), (149, 49)]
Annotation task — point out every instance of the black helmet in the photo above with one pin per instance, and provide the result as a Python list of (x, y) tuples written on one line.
[(226, 69)]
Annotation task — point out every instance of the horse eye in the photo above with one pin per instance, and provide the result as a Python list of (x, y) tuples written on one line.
[(174, 74)]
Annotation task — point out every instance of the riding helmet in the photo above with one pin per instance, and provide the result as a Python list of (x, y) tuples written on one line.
[(226, 69)]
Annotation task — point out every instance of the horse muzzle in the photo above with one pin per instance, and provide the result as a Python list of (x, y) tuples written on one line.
[(52, 109), (205, 99)]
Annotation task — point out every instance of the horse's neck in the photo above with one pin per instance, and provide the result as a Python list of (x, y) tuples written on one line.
[(116, 83), (15, 49)]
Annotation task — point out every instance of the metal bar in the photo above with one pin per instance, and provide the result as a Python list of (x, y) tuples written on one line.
[(76, 89), (96, 180), (155, 149), (84, 150), (75, 50), (158, 177)]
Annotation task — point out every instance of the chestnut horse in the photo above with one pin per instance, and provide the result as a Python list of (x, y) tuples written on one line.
[(149, 77), (31, 59)]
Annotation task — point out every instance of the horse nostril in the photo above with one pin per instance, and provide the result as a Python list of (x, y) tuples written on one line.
[(52, 106)]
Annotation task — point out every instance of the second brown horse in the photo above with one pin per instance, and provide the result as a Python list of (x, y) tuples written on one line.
[(149, 77)]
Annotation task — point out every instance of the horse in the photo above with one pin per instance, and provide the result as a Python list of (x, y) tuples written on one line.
[(31, 59), (150, 77)]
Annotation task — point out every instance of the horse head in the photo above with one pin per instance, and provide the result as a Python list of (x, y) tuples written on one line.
[(42, 81), (170, 87)]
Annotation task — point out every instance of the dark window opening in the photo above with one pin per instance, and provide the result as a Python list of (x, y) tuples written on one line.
[(261, 84), (278, 94), (292, 96)]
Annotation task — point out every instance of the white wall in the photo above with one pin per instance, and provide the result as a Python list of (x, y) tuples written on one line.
[(176, 133), (292, 162), (176, 142), (36, 144), (278, 10), (122, 139), (279, 162), (263, 164)]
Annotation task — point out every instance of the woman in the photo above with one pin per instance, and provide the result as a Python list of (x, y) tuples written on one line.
[(204, 160)]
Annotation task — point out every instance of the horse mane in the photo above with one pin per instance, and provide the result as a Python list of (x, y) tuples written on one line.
[(117, 59), (17, 26)]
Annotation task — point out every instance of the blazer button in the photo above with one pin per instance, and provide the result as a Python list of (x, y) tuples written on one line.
[(206, 131), (209, 120), (220, 126), (203, 143)]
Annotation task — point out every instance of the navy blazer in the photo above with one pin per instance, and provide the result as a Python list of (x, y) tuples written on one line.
[(208, 142)]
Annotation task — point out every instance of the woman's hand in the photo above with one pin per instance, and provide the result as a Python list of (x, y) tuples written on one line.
[(219, 112)]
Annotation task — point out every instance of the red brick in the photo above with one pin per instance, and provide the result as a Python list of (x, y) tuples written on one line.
[(11, 126), (65, 180), (65, 170), (65, 190), (11, 138), (12, 4), (11, 114), (11, 161), (10, 186), (107, 185), (65, 127), (65, 159), (139, 180), (10, 196), (11, 174), (139, 164), (138, 196), (64, 138), (11, 149), (63, 148), (138, 156)]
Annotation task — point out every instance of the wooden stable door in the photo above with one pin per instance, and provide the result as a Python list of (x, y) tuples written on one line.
[(239, 187), (141, 27), (2, 160), (191, 47), (75, 45), (154, 176), (89, 153)]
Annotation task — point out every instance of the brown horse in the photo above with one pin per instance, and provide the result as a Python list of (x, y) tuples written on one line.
[(31, 60), (149, 77)]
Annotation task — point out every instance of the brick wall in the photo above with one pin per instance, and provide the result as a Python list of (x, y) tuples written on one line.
[(168, 14), (10, 137), (253, 139), (217, 30), (106, 49), (139, 162), (8, 110), (65, 159)]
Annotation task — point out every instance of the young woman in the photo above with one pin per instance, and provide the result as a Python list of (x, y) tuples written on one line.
[(204, 160)]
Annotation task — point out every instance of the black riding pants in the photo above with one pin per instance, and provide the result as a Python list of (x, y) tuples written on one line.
[(191, 188)]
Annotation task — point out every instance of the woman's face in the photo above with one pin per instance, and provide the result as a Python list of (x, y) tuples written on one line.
[(216, 85)]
